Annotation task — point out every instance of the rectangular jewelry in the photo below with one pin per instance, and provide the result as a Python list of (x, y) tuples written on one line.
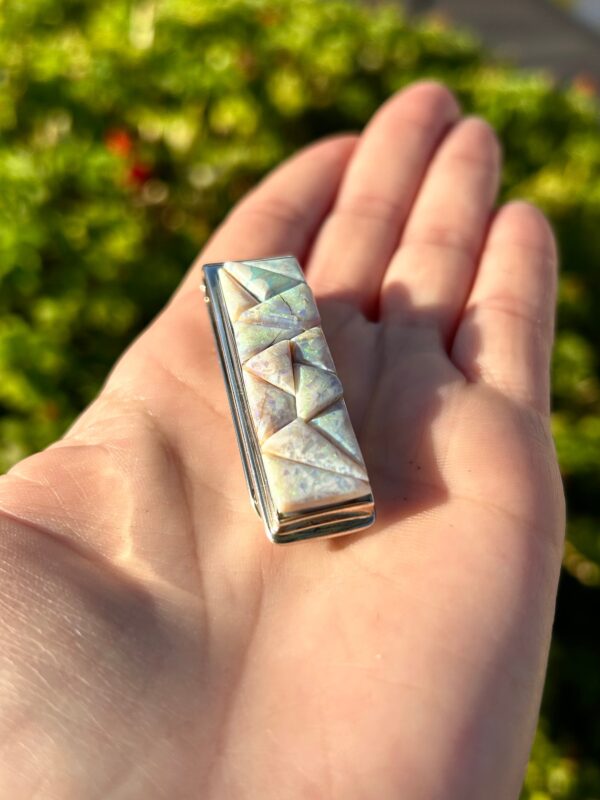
[(302, 462)]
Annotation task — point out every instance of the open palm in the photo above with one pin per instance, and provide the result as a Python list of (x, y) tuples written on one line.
[(154, 644)]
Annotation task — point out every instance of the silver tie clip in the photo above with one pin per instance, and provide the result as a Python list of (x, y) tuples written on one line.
[(303, 465)]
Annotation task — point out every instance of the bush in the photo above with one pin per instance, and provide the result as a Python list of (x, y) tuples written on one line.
[(128, 130)]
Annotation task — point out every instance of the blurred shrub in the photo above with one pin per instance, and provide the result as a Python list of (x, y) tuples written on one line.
[(127, 129)]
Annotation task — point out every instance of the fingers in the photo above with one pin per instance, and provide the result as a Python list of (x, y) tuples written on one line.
[(282, 215), (353, 249), (431, 273), (506, 333)]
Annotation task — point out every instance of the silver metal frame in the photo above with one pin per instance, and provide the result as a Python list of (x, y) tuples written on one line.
[(325, 521)]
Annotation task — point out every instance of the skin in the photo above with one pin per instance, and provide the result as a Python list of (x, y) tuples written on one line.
[(154, 644)]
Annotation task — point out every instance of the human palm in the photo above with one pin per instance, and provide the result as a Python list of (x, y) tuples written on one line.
[(155, 644)]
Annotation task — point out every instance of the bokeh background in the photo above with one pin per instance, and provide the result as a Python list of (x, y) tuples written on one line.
[(128, 129)]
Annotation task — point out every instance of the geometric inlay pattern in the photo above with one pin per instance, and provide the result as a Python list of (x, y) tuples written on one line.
[(309, 448)]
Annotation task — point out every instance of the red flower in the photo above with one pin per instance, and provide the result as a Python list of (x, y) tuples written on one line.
[(119, 141), (139, 173)]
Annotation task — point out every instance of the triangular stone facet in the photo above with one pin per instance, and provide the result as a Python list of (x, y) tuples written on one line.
[(335, 423), (274, 365), (237, 299), (301, 304), (315, 390), (274, 313), (261, 283), (294, 309), (311, 348), (300, 442), (284, 266), (296, 487), (271, 408), (252, 339)]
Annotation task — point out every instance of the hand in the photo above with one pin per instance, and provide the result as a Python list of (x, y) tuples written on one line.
[(154, 644)]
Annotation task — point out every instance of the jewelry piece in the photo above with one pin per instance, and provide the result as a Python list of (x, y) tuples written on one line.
[(303, 465)]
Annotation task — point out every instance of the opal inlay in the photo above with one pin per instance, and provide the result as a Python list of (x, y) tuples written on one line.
[(309, 449), (274, 365), (311, 348), (260, 282), (237, 299), (335, 423), (300, 442), (296, 487)]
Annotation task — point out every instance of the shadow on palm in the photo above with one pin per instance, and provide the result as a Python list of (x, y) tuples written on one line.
[(397, 379)]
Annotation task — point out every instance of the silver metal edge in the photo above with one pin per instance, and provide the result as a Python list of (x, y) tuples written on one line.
[(256, 478), (319, 522)]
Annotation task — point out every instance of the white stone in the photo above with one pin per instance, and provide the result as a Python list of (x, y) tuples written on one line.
[(297, 487), (311, 348), (335, 423), (315, 390), (271, 408), (274, 365), (300, 442), (237, 299), (294, 309), (252, 339), (284, 266), (262, 283)]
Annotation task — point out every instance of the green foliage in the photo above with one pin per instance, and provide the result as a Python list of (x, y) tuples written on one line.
[(127, 129)]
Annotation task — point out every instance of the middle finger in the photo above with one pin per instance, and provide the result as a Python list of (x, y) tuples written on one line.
[(354, 246)]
